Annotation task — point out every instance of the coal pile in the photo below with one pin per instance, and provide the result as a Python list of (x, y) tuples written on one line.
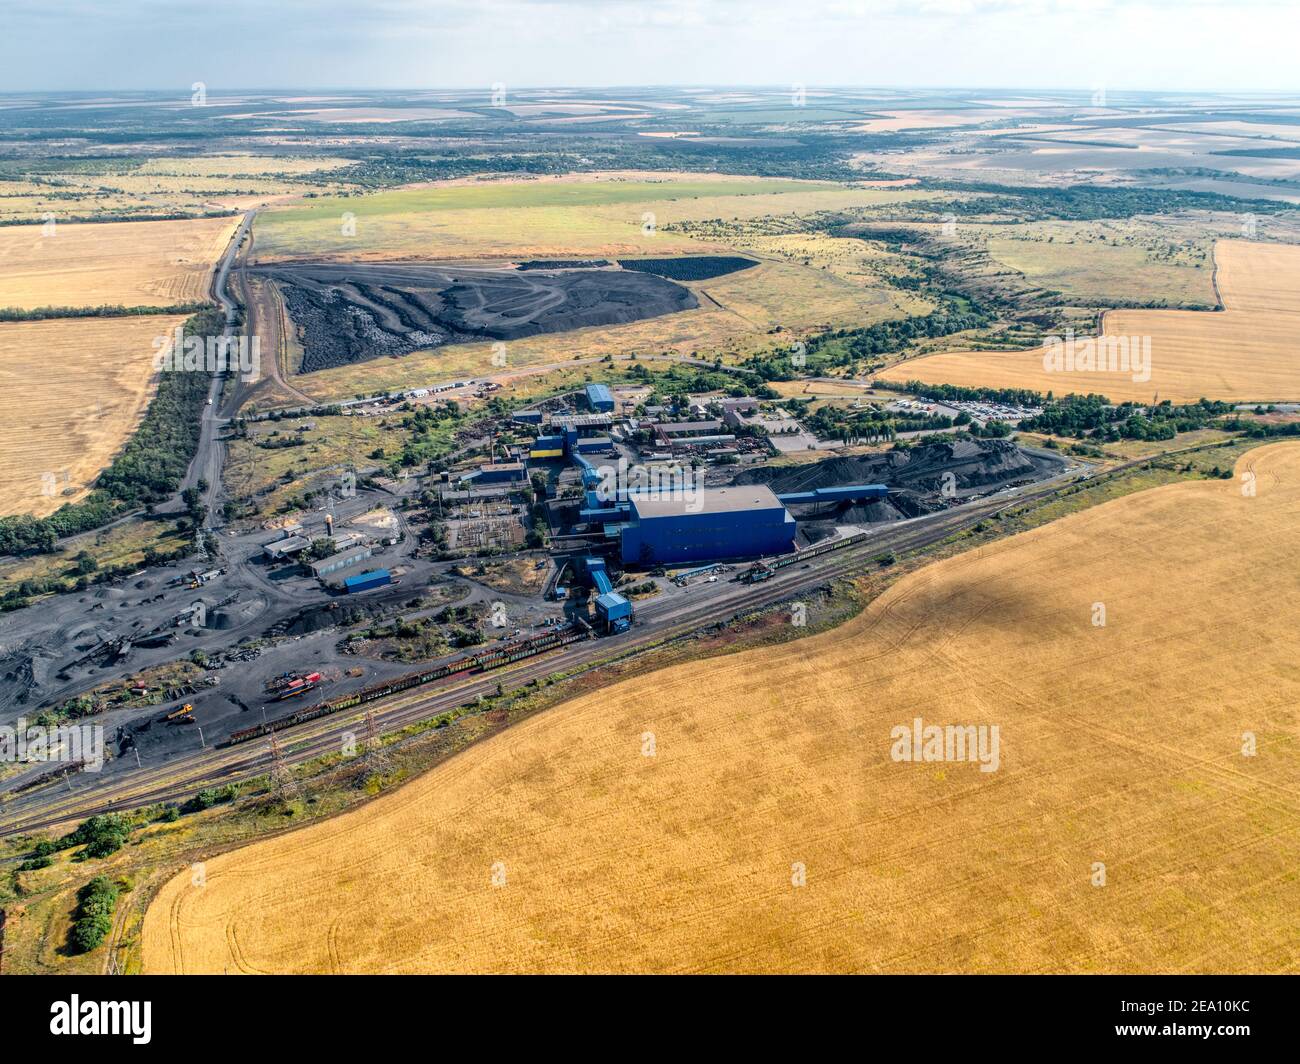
[(349, 314), (923, 479)]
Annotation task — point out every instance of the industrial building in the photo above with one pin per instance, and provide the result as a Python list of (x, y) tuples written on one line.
[(670, 432), (613, 611), (359, 582), (341, 560), (285, 548), (847, 493), (498, 473), (599, 398), (586, 444), (545, 447), (705, 524)]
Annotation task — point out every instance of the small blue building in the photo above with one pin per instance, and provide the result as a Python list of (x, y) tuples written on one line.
[(365, 581), (599, 398), (614, 612)]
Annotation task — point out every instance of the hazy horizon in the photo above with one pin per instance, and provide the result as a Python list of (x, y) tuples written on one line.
[(414, 45)]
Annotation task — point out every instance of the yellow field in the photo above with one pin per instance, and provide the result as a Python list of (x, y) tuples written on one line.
[(132, 263), (558, 845), (1248, 352), (71, 393)]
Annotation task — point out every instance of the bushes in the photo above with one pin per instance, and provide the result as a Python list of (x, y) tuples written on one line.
[(94, 916), (33, 863), (1091, 415), (100, 835), (210, 796), (113, 310)]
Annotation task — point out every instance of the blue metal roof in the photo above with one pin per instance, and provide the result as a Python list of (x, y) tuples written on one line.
[(613, 605), (366, 578), (849, 491)]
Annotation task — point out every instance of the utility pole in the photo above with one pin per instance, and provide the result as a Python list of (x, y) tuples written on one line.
[(283, 785), (376, 759)]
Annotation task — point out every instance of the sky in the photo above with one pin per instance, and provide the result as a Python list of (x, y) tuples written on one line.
[(1193, 45)]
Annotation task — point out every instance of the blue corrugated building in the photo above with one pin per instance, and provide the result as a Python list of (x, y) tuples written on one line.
[(600, 398), (365, 581), (613, 611), (849, 492), (705, 524)]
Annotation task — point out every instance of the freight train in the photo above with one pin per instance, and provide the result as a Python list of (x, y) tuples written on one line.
[(484, 661), (765, 570)]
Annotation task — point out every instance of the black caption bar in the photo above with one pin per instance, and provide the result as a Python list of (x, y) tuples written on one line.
[(1246, 1015)]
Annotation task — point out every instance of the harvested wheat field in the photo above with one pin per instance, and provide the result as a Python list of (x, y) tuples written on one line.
[(1120, 744), (1249, 352), (144, 264), (71, 393)]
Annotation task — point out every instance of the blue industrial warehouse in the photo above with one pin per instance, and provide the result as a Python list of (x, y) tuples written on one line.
[(704, 524), (599, 398), (365, 581)]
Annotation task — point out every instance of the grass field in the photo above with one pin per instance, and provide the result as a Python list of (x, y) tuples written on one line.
[(131, 263), (771, 830), (584, 216), (1105, 263), (1247, 352), (71, 392)]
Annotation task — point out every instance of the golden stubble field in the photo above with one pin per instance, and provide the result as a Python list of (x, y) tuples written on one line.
[(558, 845), (153, 264), (71, 392), (1248, 352)]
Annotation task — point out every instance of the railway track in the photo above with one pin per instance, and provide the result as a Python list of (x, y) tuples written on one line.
[(217, 765)]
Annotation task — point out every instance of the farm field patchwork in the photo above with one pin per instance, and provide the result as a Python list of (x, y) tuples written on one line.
[(127, 263), (772, 830), (1246, 352), (73, 392)]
